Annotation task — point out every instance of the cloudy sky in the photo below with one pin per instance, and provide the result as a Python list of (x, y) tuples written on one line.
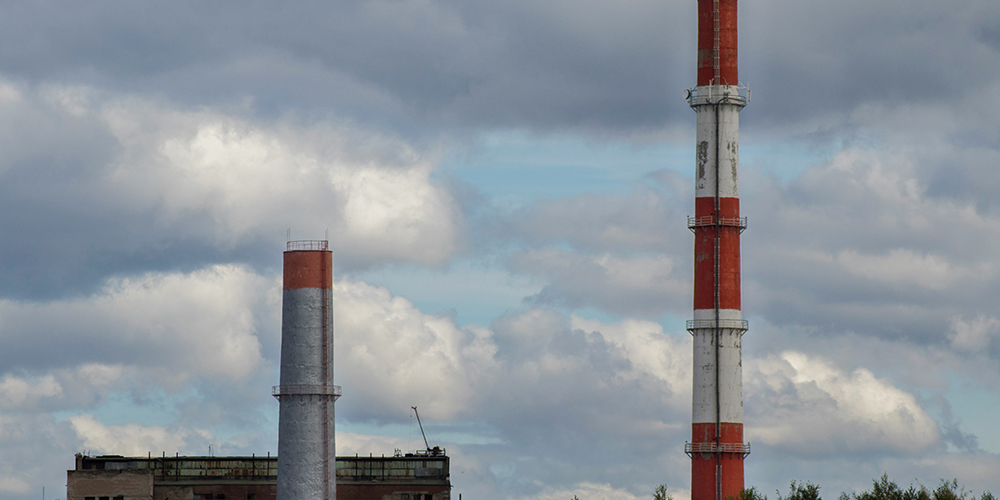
[(505, 185)]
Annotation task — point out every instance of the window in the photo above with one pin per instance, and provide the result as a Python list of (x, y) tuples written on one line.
[(207, 496), (404, 496), (120, 497), (105, 498), (89, 498), (221, 496), (251, 496)]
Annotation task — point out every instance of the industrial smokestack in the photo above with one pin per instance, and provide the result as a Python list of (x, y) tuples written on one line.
[(716, 448), (306, 447)]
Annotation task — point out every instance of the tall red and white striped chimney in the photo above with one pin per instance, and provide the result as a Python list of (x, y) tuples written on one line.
[(716, 448)]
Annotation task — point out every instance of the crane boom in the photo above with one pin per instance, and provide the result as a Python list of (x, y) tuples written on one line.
[(421, 428)]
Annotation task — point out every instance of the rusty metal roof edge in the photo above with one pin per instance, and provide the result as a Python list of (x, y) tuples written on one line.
[(251, 457)]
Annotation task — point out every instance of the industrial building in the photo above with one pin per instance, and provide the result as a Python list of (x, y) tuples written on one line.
[(419, 476)]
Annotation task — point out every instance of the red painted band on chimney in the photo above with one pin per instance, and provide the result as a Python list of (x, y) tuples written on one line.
[(729, 432), (729, 256), (728, 43), (703, 476), (705, 206), (703, 464), (308, 269)]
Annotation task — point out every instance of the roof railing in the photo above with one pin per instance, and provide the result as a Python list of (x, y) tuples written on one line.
[(307, 245)]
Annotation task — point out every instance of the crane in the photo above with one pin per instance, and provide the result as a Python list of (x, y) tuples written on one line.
[(430, 451), (421, 428)]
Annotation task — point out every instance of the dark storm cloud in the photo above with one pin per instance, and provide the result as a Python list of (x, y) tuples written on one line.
[(401, 64), (546, 65), (64, 224), (92, 187), (968, 176), (807, 59), (552, 65), (53, 229)]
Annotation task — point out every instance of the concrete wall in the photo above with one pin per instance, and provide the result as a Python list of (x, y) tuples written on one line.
[(226, 491), (376, 491), (132, 484)]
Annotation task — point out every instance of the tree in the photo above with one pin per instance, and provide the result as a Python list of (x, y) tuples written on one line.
[(950, 491), (801, 491), (751, 493), (660, 493), (884, 489)]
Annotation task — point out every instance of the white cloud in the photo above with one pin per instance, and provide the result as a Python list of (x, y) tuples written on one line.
[(641, 284), (588, 491), (75, 100), (646, 219), (806, 404), (14, 391), (643, 273), (374, 192), (905, 267), (350, 443), (526, 368), (61, 388), (133, 439), (650, 351), (99, 375), (974, 335), (172, 326), (890, 178), (868, 241), (210, 311), (975, 471), (10, 94), (14, 485), (37, 450), (398, 214), (394, 356)]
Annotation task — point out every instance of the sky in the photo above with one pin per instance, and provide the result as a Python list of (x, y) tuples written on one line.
[(505, 186)]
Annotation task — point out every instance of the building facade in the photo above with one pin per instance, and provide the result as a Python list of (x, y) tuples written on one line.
[(422, 476)]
